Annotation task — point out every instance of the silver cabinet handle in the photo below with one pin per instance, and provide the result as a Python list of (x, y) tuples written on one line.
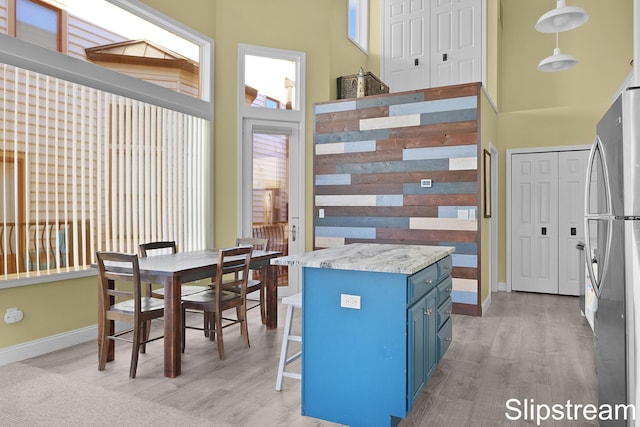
[(449, 289), (447, 339), (448, 312), (293, 233), (428, 312), (428, 282)]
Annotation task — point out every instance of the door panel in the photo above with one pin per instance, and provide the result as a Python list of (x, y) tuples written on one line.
[(405, 41), (456, 53), (534, 225), (572, 173)]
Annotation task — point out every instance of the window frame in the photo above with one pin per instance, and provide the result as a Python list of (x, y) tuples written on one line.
[(358, 18), (61, 21), (22, 54)]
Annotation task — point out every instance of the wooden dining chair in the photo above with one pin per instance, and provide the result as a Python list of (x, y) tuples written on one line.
[(121, 298), (256, 282), (161, 248), (229, 292)]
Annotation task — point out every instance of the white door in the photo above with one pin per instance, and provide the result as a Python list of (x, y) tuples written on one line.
[(429, 43), (547, 211), (456, 48), (534, 222), (572, 167), (271, 191), (406, 39)]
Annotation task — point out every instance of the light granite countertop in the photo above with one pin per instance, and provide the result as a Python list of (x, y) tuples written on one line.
[(383, 258)]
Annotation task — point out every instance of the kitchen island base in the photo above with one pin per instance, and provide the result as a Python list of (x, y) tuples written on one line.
[(371, 340)]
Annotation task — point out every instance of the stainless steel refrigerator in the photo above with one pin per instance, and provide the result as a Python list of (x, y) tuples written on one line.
[(612, 239)]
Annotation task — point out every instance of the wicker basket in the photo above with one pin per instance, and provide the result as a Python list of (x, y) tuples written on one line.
[(348, 85)]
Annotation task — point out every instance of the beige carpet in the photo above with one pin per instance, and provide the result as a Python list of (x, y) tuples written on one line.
[(30, 396)]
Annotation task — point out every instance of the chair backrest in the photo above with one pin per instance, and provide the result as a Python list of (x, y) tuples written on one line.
[(157, 248), (233, 262), (258, 244), (119, 267)]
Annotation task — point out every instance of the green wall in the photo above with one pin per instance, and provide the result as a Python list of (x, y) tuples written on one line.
[(556, 109), (536, 109), (316, 28)]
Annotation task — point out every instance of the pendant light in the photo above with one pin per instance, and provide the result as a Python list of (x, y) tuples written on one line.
[(557, 62), (562, 18)]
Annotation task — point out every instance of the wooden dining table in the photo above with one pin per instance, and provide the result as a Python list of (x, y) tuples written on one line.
[(171, 271)]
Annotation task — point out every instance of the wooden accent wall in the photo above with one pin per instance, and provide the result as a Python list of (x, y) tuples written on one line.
[(370, 157)]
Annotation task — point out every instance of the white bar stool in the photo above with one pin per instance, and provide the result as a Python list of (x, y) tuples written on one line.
[(293, 301)]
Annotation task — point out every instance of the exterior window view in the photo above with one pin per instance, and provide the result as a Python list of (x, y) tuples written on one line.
[(364, 213), (64, 192)]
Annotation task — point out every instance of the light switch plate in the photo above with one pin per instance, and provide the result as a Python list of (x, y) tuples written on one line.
[(425, 183)]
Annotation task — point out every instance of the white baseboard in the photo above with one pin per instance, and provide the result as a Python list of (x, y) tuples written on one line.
[(486, 303), (502, 286), (45, 345)]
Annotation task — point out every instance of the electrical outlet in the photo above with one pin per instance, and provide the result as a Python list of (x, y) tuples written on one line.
[(321, 213), (350, 301), (13, 315), (425, 183)]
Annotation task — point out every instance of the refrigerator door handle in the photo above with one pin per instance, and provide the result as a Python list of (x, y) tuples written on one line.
[(606, 216)]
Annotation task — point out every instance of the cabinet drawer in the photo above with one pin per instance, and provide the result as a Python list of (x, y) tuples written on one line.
[(445, 335), (444, 290), (421, 282), (444, 267), (444, 312)]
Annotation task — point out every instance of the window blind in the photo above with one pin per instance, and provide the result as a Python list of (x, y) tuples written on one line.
[(85, 170)]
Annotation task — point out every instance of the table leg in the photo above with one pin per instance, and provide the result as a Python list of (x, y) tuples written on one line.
[(172, 327), (271, 275)]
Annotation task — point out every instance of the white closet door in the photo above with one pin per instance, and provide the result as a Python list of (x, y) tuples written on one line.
[(456, 49), (572, 172), (534, 222), (405, 46)]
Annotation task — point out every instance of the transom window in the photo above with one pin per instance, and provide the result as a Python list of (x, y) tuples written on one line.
[(358, 23)]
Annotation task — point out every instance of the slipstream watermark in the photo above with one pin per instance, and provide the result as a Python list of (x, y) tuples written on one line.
[(539, 413)]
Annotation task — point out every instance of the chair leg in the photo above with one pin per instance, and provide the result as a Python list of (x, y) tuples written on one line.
[(285, 347), (218, 323), (184, 328), (135, 349), (263, 307), (209, 317), (206, 326), (244, 330), (146, 328), (104, 347)]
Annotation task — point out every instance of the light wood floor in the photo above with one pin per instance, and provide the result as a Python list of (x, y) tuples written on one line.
[(528, 346)]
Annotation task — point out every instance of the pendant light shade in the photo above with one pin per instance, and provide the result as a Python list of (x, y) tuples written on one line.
[(562, 18), (557, 62)]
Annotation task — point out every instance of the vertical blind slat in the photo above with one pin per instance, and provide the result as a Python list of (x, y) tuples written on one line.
[(93, 171)]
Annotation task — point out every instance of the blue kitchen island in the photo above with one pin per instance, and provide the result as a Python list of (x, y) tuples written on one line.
[(375, 323)]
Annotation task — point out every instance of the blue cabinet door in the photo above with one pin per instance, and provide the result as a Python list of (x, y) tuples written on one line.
[(422, 330), (431, 333), (417, 347)]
